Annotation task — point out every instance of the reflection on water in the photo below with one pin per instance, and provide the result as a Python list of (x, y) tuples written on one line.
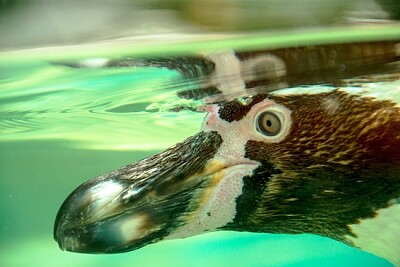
[(56, 102)]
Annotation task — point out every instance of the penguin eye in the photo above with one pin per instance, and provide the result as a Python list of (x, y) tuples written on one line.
[(269, 123)]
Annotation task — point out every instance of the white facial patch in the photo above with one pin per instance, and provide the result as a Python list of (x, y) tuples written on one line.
[(218, 203), (380, 235), (235, 134)]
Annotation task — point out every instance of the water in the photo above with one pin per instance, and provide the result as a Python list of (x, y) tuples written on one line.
[(60, 126)]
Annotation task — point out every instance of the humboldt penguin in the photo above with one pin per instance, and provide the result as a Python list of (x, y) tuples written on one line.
[(283, 161), (325, 163)]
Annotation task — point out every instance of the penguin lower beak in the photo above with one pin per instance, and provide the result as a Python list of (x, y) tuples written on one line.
[(140, 203)]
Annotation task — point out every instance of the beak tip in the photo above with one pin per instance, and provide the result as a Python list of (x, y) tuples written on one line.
[(64, 243), (64, 237), (113, 234), (82, 212), (57, 232)]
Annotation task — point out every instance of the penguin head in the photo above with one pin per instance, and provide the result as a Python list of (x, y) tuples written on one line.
[(312, 163)]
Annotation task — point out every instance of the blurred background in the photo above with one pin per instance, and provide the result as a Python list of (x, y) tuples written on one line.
[(35, 23)]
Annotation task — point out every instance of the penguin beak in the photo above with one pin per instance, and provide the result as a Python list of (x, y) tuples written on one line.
[(143, 202)]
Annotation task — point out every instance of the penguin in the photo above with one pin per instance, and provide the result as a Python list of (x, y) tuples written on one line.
[(280, 161)]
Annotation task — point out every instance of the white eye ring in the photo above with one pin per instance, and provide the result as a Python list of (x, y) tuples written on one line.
[(270, 123)]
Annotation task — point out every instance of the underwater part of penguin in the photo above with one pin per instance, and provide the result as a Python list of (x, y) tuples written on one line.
[(325, 163)]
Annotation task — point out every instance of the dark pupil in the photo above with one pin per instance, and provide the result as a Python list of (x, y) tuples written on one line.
[(269, 123)]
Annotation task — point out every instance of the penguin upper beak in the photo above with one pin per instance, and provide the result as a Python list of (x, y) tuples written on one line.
[(140, 203)]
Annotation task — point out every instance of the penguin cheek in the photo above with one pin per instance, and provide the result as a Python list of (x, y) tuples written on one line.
[(216, 205)]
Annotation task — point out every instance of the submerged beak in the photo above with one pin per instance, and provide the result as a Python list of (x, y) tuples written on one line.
[(140, 203)]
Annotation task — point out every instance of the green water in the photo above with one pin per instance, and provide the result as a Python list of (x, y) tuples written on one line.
[(61, 126)]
